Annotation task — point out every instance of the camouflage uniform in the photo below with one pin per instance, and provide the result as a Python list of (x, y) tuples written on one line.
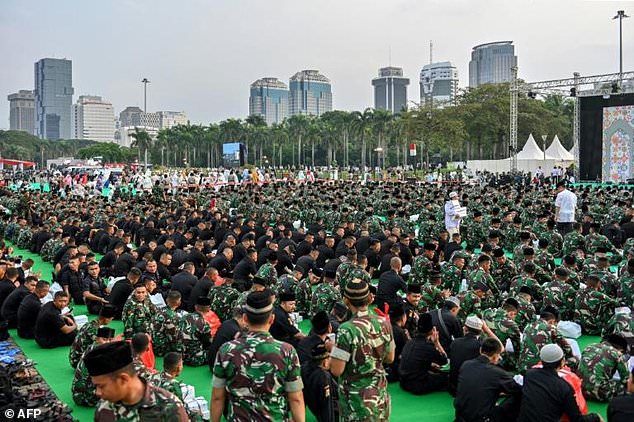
[(538, 334), (421, 269), (609, 281), (49, 248), (596, 240), (526, 311), (23, 239), (84, 339), (572, 241), (593, 309), (363, 342), (431, 298), (348, 271), (157, 405), (303, 294), (561, 296), (137, 317), (195, 339), (268, 273), (452, 277), (555, 243), (324, 298), (545, 260), (223, 300), (165, 334), (574, 278), (82, 388), (470, 304), (141, 370), (619, 324), (257, 371), (505, 328), (503, 273), (625, 290), (598, 364), (168, 383), (525, 280)]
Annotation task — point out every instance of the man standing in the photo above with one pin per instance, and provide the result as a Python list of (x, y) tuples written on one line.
[(565, 207), (452, 219), (259, 376), (364, 344), (125, 396)]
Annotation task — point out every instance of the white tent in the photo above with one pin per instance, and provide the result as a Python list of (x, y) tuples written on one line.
[(558, 152), (531, 151)]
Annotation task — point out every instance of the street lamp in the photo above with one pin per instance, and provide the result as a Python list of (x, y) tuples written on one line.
[(620, 15), (544, 137), (145, 81)]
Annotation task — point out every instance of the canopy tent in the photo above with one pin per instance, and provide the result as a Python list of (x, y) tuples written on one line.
[(532, 151), (558, 152), (17, 163)]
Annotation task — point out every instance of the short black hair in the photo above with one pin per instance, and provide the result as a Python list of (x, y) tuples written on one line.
[(490, 346), (140, 343), (171, 361)]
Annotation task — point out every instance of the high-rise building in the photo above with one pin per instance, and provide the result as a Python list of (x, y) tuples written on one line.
[(168, 119), (53, 98), (438, 83), (93, 118), (22, 111), (130, 117), (491, 63), (310, 93), (269, 99), (390, 89)]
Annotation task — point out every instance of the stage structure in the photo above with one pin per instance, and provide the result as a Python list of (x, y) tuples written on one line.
[(603, 86)]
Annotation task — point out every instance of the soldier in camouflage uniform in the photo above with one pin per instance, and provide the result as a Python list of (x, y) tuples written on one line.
[(158, 194), (364, 344), (621, 323), (86, 334), (625, 287), (518, 250), (259, 376), (569, 263), (560, 294), (502, 322), (350, 270), (539, 333), (267, 271), (223, 299), (574, 240), (543, 258), (483, 275), (110, 367), (503, 270), (453, 273), (471, 300), (165, 325), (475, 232), (23, 239), (196, 334), (51, 246), (303, 292), (423, 265), (593, 308), (82, 388), (432, 297), (599, 363), (137, 312), (526, 309), (555, 240), (595, 240), (526, 278), (325, 295)]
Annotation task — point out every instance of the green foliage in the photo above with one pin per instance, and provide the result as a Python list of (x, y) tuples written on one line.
[(111, 153), (20, 145)]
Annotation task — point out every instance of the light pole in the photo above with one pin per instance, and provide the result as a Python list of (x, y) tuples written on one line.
[(544, 137), (145, 81), (620, 15)]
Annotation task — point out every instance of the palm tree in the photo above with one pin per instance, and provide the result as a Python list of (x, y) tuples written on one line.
[(254, 125), (141, 140), (297, 128), (362, 123), (380, 120)]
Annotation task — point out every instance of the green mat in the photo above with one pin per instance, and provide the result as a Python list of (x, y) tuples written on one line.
[(54, 367)]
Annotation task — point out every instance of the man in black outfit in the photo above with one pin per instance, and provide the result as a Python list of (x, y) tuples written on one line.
[(447, 323), (29, 310), (282, 328), (390, 283), (464, 349), (225, 333), (244, 272), (398, 319), (122, 290), (70, 280), (184, 283), (222, 262), (10, 306), (319, 385), (621, 408), (421, 360), (480, 384), (204, 284), (52, 329), (6, 285), (318, 335), (545, 396)]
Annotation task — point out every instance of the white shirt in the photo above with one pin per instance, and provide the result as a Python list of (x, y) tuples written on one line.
[(567, 203), (451, 220)]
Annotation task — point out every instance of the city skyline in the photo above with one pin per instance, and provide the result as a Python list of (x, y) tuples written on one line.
[(205, 64)]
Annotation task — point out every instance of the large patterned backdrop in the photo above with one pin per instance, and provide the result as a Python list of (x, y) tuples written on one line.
[(618, 148)]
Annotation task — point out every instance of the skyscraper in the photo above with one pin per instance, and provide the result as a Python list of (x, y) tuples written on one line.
[(310, 93), (93, 118), (491, 63), (53, 98), (269, 99), (438, 83), (390, 89), (22, 111)]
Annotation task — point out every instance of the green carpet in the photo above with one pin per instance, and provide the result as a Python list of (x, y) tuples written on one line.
[(54, 367)]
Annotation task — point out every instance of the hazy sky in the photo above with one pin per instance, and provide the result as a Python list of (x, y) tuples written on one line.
[(202, 55)]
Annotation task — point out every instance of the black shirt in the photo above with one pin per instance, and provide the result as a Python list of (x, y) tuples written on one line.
[(416, 359), (201, 288), (546, 397), (6, 287), (11, 305), (222, 264), (184, 282), (27, 315), (320, 392), (305, 347), (462, 350), (225, 333), (453, 325), (119, 294), (390, 284), (47, 326), (72, 279), (621, 409), (479, 386), (282, 329)]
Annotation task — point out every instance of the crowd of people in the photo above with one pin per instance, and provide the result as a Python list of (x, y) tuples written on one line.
[(472, 290)]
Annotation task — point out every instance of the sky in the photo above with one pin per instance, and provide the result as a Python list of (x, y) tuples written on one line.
[(202, 55)]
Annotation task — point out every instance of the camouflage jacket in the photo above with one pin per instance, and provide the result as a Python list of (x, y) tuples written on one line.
[(165, 331), (599, 363), (303, 293), (619, 323), (223, 300), (82, 388), (559, 295), (421, 269), (572, 241), (268, 272), (137, 317), (505, 328), (363, 342), (157, 405), (452, 277), (538, 334), (593, 309), (83, 340), (195, 339), (257, 372), (324, 298)]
